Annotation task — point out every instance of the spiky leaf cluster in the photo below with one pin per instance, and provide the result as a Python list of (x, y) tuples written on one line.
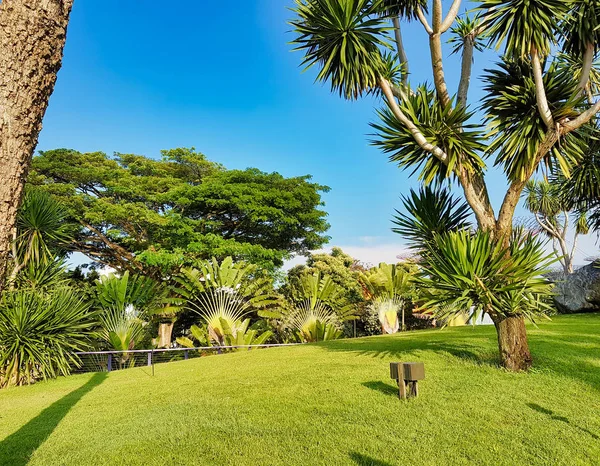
[(343, 38), (406, 9), (514, 120), (581, 27), (523, 25), (470, 271), (467, 28), (429, 213), (443, 126)]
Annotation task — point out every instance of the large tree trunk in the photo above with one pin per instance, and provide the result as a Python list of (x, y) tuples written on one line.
[(512, 343), (165, 331), (32, 38)]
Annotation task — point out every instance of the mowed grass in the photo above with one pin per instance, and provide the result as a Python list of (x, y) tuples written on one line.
[(329, 403)]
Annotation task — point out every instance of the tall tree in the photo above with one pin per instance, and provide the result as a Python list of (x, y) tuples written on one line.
[(533, 100), (552, 218), (153, 216), (32, 38)]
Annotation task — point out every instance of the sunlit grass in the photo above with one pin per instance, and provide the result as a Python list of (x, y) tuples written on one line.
[(330, 403)]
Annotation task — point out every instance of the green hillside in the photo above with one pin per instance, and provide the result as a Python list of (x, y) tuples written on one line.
[(330, 403)]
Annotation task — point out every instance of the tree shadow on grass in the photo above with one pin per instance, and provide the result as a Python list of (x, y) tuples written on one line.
[(554, 417), (404, 347), (379, 386), (17, 448), (364, 460)]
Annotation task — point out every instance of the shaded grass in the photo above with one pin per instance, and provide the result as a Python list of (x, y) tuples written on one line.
[(329, 403)]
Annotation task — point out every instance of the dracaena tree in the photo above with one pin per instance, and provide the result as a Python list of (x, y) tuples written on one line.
[(539, 98)]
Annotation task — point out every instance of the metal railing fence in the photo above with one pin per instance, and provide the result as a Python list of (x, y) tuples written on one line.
[(107, 361)]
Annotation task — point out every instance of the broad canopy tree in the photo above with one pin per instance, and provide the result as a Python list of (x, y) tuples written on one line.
[(538, 105), (153, 216)]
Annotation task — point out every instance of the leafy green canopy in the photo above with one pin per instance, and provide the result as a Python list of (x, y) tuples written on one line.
[(153, 216)]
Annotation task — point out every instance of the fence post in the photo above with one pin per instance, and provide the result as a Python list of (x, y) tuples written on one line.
[(109, 363), (149, 358), (185, 354)]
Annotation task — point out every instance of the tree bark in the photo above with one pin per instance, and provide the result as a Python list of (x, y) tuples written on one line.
[(165, 331), (32, 38), (512, 342)]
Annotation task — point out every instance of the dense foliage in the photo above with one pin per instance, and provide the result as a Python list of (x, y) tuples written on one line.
[(153, 216)]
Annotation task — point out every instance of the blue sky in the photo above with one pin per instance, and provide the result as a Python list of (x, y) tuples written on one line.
[(141, 76)]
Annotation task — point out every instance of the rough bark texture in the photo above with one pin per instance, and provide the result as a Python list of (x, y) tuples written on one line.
[(32, 38), (512, 343), (165, 331)]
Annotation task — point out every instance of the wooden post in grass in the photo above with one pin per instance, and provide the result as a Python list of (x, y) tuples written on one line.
[(408, 375)]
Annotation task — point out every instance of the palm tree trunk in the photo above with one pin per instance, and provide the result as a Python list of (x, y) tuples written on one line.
[(165, 331), (32, 38), (512, 342)]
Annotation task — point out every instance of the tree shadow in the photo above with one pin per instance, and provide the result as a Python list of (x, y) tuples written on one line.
[(364, 460), (554, 417), (405, 346), (379, 386), (17, 448)]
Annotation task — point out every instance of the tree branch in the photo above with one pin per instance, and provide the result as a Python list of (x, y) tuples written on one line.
[(513, 194), (540, 91), (450, 17), (423, 20), (466, 69), (128, 257), (582, 119), (588, 60), (402, 57), (417, 135)]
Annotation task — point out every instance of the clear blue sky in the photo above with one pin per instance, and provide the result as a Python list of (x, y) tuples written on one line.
[(141, 76)]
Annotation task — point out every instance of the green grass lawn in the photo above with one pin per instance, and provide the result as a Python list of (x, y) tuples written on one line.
[(330, 403)]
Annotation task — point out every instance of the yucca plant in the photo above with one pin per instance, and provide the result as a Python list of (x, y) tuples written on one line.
[(470, 271), (39, 333), (42, 237), (552, 218), (536, 111)]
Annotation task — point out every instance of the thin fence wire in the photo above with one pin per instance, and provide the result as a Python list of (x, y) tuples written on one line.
[(107, 361)]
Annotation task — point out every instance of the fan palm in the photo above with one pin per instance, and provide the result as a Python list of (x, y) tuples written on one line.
[(224, 293), (125, 301), (315, 313), (389, 286)]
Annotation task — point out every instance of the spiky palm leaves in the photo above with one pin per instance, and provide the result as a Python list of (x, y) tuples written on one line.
[(39, 331), (471, 271), (523, 25), (343, 38), (42, 237), (316, 313), (125, 302), (428, 213), (442, 126), (516, 127), (223, 294)]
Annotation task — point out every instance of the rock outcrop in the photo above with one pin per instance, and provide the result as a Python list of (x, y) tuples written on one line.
[(579, 291)]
